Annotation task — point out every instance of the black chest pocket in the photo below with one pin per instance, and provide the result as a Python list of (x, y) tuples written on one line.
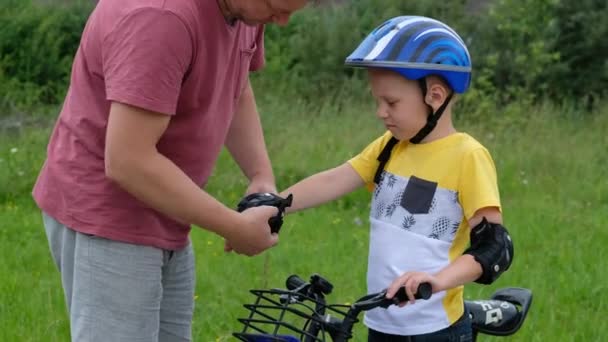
[(418, 195)]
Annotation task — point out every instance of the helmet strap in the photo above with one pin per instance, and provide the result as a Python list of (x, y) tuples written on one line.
[(432, 117)]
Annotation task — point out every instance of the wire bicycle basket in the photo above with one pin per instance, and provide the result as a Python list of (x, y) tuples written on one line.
[(300, 314)]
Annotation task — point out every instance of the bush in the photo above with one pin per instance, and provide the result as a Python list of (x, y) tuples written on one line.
[(511, 49), (542, 49), (37, 45), (581, 41), (313, 48), (522, 50)]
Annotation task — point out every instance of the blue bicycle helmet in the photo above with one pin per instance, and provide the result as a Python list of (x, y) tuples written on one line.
[(416, 47)]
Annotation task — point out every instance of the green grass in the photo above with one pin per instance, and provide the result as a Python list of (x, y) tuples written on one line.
[(554, 186)]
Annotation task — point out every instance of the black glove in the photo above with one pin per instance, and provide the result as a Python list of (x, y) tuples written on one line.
[(266, 198)]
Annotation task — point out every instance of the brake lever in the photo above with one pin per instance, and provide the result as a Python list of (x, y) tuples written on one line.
[(295, 295), (372, 301)]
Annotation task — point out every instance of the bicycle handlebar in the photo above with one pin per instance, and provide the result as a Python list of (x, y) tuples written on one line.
[(323, 318), (294, 281), (368, 302), (341, 330)]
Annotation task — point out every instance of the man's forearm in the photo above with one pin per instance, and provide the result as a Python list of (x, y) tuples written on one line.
[(245, 140), (158, 182)]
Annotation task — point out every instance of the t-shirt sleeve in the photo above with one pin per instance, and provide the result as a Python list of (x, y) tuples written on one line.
[(366, 162), (258, 60), (478, 185), (145, 58)]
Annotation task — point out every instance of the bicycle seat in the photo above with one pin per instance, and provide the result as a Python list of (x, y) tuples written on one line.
[(501, 315)]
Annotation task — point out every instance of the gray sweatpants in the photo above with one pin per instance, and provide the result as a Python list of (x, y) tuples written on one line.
[(123, 292)]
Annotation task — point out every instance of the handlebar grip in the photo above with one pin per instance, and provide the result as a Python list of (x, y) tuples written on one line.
[(425, 290), (294, 281)]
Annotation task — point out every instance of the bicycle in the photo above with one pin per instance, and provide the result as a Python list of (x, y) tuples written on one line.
[(273, 315)]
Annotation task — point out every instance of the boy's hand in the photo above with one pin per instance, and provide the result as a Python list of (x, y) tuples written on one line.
[(411, 281)]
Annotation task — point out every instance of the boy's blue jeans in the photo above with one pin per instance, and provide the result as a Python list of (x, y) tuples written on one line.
[(461, 331), (123, 292)]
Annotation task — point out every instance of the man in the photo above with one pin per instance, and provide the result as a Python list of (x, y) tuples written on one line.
[(157, 88)]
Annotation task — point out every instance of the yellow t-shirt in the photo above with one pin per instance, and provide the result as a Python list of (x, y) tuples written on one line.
[(418, 218)]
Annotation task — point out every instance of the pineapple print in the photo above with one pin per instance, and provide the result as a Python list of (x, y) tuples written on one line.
[(441, 229), (394, 205), (390, 210), (380, 206), (455, 197), (379, 185), (391, 181), (455, 226), (408, 222)]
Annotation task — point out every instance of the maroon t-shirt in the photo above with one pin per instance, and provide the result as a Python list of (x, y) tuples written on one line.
[(175, 57)]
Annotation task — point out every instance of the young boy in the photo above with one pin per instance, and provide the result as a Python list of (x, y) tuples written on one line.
[(435, 188)]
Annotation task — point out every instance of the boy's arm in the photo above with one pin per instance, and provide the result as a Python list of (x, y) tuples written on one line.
[(461, 271), (323, 187), (465, 269)]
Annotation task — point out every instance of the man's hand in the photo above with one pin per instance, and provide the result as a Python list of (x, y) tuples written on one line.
[(256, 185), (254, 236), (260, 200)]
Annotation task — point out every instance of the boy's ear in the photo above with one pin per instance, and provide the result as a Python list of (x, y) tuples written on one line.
[(436, 93)]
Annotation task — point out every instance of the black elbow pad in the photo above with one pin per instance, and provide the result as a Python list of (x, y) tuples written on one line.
[(492, 248)]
